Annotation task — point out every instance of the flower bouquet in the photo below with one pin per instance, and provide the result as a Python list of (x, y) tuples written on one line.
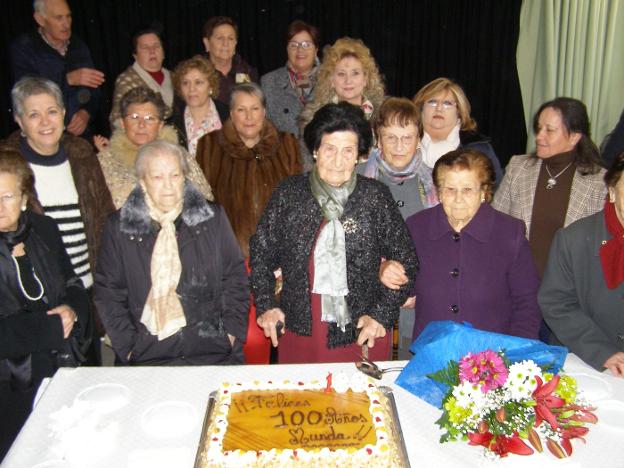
[(511, 408)]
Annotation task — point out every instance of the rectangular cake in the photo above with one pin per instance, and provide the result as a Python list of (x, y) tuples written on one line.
[(341, 422)]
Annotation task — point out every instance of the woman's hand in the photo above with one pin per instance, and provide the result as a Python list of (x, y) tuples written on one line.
[(68, 318), (392, 274), (370, 330), (616, 364), (100, 142), (410, 303), (231, 338), (268, 323)]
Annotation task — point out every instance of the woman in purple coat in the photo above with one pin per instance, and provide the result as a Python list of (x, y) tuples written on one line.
[(475, 262)]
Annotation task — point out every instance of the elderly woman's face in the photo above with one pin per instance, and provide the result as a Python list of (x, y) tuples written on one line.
[(222, 43), (141, 123), (195, 88), (552, 136), (163, 180), (337, 156), (440, 114), (149, 52), (616, 195), (247, 116), (11, 201), (300, 58), (460, 194), (349, 80), (42, 123), (398, 144)]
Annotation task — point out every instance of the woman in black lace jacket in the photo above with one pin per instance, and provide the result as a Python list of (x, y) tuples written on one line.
[(327, 231)]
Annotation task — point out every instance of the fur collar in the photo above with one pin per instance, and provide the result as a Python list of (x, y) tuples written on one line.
[(134, 219), (125, 151), (234, 147)]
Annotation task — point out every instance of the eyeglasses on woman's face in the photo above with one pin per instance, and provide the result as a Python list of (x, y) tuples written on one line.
[(303, 45), (436, 103)]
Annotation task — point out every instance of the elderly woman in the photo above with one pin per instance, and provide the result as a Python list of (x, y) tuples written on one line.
[(289, 88), (147, 71), (220, 35), (447, 123), (244, 162), (475, 262), (171, 285), (142, 114), (582, 293), (44, 304), (196, 81), (348, 73), (559, 183), (397, 162), (69, 185), (327, 230)]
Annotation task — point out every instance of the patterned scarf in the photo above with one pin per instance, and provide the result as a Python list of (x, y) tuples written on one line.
[(416, 167), (303, 83), (366, 106), (194, 132), (330, 256), (163, 314), (612, 252)]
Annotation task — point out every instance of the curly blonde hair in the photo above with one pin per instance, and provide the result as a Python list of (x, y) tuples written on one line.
[(324, 92), (202, 65), (444, 85)]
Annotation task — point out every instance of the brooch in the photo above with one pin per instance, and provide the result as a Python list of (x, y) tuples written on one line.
[(349, 225)]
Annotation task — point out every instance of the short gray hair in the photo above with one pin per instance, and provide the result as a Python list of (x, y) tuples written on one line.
[(248, 88), (32, 86), (39, 7), (158, 148)]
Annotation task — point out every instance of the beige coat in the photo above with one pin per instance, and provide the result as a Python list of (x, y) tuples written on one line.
[(516, 192), (118, 159)]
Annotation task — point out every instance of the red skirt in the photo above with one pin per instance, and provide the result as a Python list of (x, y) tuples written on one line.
[(300, 349), (257, 348)]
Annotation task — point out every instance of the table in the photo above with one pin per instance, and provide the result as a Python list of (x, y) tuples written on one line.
[(122, 440)]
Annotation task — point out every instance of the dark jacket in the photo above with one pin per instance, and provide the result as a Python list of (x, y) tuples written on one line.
[(29, 340), (476, 141), (213, 285), (94, 199), (227, 82), (484, 275), (177, 118), (32, 56), (582, 312), (286, 236), (242, 179)]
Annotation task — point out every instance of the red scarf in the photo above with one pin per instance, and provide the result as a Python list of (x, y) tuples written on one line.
[(612, 251), (158, 76)]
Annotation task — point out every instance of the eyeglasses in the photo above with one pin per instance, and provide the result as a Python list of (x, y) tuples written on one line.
[(294, 45), (393, 140), (147, 119), (465, 192), (436, 103), (9, 198)]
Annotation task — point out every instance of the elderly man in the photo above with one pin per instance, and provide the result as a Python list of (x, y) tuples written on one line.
[(52, 52), (146, 71)]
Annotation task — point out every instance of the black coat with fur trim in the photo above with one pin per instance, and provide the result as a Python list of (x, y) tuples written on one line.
[(213, 286)]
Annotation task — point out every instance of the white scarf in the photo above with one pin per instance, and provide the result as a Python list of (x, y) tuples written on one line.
[(434, 150), (165, 89)]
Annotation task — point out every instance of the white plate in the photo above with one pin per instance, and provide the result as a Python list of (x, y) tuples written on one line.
[(169, 419), (52, 464), (594, 387), (106, 397), (611, 413)]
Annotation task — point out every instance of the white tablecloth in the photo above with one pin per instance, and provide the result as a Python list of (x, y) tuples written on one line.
[(120, 439)]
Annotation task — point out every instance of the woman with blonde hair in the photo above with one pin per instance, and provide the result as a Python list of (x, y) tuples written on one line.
[(196, 111), (348, 73), (447, 123)]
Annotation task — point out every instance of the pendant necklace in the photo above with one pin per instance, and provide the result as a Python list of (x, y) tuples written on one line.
[(552, 180), (21, 285)]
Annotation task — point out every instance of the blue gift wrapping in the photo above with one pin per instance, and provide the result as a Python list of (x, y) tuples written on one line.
[(444, 341)]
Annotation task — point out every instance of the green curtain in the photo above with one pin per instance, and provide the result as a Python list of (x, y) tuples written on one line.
[(573, 48)]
